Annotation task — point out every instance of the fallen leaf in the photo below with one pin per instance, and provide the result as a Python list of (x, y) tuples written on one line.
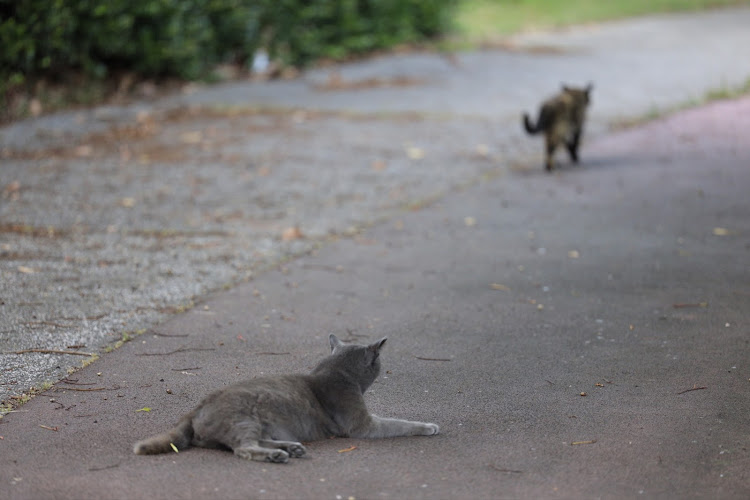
[(143, 116), (291, 233), (470, 221), (264, 171), (127, 202), (498, 286), (49, 428), (379, 165), (414, 153), (192, 137), (599, 385), (574, 443), (584, 394), (26, 270), (35, 107), (685, 305), (721, 231), (125, 153), (351, 448), (146, 409), (573, 254), (174, 447), (84, 150), (13, 187)]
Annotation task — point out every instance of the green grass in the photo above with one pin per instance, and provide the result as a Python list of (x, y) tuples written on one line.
[(718, 94), (126, 337), (484, 20), (24, 398), (727, 92)]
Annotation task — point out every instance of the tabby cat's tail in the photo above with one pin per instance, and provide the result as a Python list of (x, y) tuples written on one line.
[(546, 117), (179, 437), (530, 128)]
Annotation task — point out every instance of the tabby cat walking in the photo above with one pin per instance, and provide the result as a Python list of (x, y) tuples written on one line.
[(265, 418), (561, 118)]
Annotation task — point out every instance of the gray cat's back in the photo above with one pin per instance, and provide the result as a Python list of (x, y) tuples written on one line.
[(281, 407)]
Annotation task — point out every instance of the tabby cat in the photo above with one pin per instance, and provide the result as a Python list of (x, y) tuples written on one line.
[(561, 118), (265, 418)]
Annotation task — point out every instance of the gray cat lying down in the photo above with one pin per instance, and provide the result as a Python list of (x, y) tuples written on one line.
[(266, 418)]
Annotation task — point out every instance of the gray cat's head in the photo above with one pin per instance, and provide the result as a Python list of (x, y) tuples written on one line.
[(359, 361)]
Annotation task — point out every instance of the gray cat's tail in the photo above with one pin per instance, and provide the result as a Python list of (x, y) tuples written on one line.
[(179, 437)]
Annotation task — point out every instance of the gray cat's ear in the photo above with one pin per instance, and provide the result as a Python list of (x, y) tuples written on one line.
[(335, 342), (376, 346)]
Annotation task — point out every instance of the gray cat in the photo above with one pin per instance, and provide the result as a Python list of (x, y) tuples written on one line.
[(265, 418)]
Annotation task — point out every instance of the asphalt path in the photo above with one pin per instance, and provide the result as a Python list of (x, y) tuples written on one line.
[(575, 335), (113, 219), (578, 335)]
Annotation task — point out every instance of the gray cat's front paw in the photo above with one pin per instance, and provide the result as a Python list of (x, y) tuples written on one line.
[(431, 429)]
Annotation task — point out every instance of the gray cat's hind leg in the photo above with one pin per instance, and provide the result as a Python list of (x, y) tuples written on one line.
[(254, 451), (293, 448)]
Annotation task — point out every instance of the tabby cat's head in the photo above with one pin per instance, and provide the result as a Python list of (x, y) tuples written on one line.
[(582, 95)]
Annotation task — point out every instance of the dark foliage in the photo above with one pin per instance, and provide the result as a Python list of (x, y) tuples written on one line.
[(186, 38)]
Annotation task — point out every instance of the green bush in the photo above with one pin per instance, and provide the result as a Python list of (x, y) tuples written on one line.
[(185, 38)]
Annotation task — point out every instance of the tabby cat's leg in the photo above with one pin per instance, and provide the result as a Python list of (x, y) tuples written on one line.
[(293, 448), (550, 152), (572, 146)]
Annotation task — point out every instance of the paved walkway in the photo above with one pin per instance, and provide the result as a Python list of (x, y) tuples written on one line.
[(624, 279)]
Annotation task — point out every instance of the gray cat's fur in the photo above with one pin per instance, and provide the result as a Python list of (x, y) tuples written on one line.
[(266, 418)]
